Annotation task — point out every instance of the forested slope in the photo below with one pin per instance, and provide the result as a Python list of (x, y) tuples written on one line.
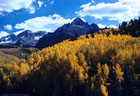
[(106, 65)]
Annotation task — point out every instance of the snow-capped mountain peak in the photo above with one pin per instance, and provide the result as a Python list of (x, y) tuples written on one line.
[(25, 38)]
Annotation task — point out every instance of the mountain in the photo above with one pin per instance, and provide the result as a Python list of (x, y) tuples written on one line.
[(78, 26), (25, 39), (8, 40)]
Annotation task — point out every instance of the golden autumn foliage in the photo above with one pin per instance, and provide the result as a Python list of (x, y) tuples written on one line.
[(104, 90), (106, 70), (119, 73), (85, 67)]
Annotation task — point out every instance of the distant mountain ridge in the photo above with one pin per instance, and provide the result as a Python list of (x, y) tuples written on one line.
[(78, 26), (41, 39), (24, 39)]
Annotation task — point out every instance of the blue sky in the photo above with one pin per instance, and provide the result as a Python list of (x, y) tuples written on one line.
[(48, 15)]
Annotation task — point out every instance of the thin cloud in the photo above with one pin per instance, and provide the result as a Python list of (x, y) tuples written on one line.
[(113, 26), (52, 2), (103, 26), (40, 3), (8, 27)]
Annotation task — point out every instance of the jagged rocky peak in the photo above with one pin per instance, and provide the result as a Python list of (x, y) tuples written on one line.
[(25, 32), (28, 31), (26, 38), (79, 21)]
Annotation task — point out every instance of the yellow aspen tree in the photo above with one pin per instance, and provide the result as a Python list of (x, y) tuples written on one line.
[(105, 70), (99, 69), (119, 73), (104, 90)]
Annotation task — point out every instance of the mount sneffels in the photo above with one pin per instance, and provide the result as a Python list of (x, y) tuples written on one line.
[(77, 27)]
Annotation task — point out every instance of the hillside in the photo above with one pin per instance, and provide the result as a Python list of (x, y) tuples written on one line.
[(14, 55), (7, 58), (69, 47), (99, 66), (125, 28)]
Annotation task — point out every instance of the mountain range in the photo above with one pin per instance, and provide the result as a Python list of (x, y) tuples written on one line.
[(44, 39), (24, 39), (77, 27)]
